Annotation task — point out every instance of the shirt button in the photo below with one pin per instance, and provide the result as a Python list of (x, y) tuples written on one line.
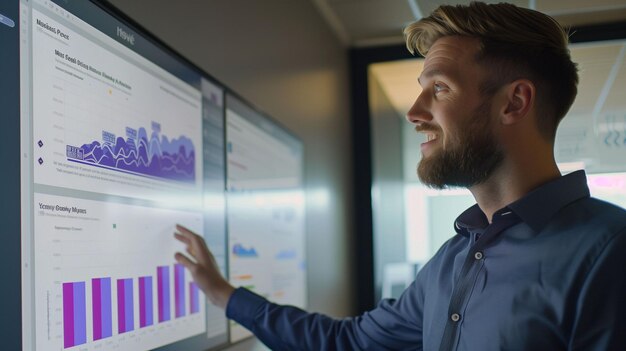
[(455, 317), (478, 255)]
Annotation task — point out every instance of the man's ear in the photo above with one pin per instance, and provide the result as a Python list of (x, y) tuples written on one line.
[(519, 100)]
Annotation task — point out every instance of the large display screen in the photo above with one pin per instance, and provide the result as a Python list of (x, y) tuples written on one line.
[(122, 139), (265, 208)]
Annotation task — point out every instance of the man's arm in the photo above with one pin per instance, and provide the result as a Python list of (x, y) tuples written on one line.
[(393, 325)]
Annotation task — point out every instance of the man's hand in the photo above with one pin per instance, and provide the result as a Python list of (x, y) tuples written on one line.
[(204, 270)]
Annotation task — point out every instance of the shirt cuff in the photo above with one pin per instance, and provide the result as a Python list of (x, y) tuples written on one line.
[(243, 306)]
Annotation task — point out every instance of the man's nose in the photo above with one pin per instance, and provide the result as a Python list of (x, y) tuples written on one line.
[(419, 112)]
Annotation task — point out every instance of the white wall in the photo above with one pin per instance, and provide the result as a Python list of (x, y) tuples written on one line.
[(281, 56)]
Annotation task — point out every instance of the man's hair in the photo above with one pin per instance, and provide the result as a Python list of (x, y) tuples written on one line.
[(515, 43)]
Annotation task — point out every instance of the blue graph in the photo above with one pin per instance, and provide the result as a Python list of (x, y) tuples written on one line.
[(240, 251), (155, 155)]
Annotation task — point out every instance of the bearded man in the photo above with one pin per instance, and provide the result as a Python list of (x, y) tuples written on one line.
[(537, 264)]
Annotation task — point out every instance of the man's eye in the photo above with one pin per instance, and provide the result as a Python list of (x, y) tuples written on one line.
[(438, 88)]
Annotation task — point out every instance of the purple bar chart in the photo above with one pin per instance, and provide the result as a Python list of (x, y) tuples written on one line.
[(194, 302), (125, 317), (105, 292), (179, 290), (101, 306), (163, 285), (145, 302), (74, 314)]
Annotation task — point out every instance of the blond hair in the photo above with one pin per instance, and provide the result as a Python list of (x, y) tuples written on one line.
[(515, 43)]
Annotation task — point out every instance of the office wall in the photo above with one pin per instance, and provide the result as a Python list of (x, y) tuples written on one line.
[(281, 56), (388, 183)]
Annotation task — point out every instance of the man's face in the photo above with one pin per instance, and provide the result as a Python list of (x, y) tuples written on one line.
[(462, 149)]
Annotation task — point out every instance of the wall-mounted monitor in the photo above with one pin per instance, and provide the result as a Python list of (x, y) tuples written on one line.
[(110, 139), (121, 139), (266, 243)]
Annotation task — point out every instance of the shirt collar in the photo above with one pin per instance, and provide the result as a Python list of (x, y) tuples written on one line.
[(535, 208), (542, 203), (471, 219)]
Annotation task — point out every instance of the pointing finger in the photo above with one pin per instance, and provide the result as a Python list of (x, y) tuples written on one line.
[(184, 231), (185, 261), (182, 238)]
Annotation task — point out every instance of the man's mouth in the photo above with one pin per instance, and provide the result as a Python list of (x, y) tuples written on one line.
[(431, 142)]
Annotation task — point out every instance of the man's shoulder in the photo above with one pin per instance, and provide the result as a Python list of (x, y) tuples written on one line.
[(595, 207), (590, 215)]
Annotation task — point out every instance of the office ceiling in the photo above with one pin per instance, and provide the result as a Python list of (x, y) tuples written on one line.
[(363, 23), (369, 23)]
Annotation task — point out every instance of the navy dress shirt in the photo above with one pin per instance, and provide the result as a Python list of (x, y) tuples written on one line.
[(548, 273)]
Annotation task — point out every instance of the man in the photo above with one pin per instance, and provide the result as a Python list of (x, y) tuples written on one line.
[(536, 264)]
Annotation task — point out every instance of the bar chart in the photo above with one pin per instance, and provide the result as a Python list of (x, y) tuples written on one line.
[(145, 302), (179, 290), (74, 315), (102, 323), (163, 281), (194, 303), (108, 280), (75, 304), (125, 320)]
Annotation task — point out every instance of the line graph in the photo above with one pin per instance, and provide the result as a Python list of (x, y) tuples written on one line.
[(155, 155), (143, 140)]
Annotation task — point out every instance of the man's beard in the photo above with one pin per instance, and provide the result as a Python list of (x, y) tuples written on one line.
[(468, 160)]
